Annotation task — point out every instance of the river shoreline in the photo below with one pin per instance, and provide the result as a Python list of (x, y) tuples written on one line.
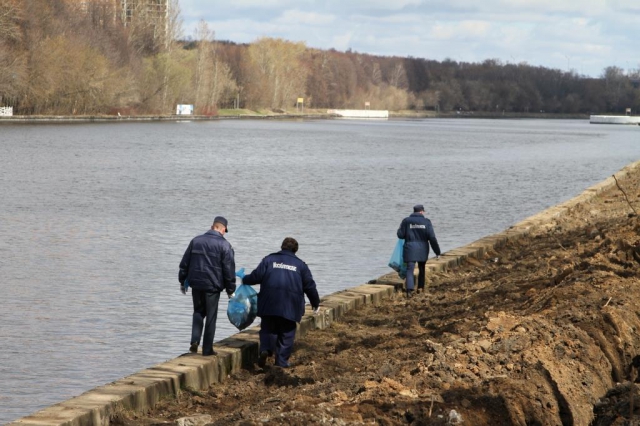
[(511, 319), (271, 115), (537, 327)]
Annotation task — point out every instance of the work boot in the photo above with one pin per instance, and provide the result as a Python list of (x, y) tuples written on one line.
[(409, 294), (262, 359), (193, 348)]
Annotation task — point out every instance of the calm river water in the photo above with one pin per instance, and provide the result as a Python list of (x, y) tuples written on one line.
[(94, 219)]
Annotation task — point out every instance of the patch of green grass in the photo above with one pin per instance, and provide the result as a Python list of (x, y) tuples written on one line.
[(232, 112)]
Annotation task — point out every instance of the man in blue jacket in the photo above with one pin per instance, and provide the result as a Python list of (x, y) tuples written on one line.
[(284, 280), (417, 233), (208, 267)]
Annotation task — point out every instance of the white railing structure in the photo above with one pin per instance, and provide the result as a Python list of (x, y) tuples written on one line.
[(359, 113), (614, 119), (6, 111)]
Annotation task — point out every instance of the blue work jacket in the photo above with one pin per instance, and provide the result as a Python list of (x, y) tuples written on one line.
[(208, 263), (417, 233), (284, 280)]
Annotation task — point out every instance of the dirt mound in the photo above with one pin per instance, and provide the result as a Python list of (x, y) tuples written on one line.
[(540, 331)]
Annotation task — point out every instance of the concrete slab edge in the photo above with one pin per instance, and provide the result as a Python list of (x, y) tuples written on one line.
[(142, 390)]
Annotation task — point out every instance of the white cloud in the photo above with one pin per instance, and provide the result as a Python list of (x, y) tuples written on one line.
[(256, 4), (593, 33), (462, 30), (625, 5), (298, 17), (244, 30), (342, 41), (395, 19), (547, 7), (389, 4)]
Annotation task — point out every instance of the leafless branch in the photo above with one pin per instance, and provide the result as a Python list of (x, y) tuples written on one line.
[(625, 195)]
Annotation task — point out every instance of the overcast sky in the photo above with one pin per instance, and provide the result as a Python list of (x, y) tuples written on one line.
[(582, 35)]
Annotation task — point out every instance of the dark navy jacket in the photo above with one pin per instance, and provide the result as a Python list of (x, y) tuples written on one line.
[(208, 263), (284, 280), (417, 233)]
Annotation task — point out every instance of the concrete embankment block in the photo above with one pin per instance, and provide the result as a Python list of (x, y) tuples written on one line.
[(374, 293), (392, 279), (335, 305), (340, 303), (311, 322), (492, 241)]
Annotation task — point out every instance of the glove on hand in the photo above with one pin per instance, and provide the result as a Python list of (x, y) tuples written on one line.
[(316, 310), (231, 294), (183, 290)]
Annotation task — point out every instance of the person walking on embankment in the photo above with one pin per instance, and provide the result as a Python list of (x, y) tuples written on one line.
[(208, 267), (284, 280), (417, 233)]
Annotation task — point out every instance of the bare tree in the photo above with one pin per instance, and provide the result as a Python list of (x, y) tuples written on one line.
[(277, 66), (376, 74), (10, 18), (615, 82), (172, 29), (398, 77), (213, 78), (204, 58)]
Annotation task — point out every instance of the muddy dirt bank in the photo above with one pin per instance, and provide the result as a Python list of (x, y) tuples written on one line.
[(542, 331)]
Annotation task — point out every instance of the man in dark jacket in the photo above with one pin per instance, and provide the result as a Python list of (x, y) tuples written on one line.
[(417, 233), (208, 267), (284, 280)]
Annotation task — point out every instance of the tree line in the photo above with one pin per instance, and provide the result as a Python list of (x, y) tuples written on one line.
[(59, 58)]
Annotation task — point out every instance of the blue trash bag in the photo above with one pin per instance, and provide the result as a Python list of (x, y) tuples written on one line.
[(396, 262), (243, 307), (240, 273)]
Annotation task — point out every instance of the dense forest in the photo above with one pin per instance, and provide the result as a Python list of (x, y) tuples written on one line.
[(57, 57)]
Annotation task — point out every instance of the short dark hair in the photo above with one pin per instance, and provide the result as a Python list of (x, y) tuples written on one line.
[(222, 221), (289, 244)]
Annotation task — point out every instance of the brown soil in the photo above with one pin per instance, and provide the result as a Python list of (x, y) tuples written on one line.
[(542, 331)]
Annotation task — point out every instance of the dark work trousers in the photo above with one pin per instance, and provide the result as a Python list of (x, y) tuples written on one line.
[(205, 305), (410, 267), (277, 335)]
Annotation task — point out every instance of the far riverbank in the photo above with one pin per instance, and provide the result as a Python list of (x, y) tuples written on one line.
[(274, 114)]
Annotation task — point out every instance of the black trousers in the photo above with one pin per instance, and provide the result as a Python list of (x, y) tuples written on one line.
[(421, 270), (205, 312), (277, 335)]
